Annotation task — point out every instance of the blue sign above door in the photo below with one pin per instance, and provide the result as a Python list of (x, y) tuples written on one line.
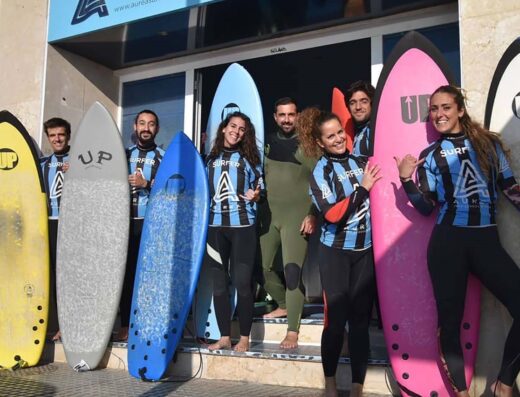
[(70, 18)]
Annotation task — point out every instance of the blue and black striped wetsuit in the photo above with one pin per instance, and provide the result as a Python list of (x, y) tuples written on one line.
[(53, 177), (465, 240), (146, 161), (232, 234), (361, 144), (346, 260)]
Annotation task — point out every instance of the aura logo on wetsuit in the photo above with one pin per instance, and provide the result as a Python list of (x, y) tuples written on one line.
[(229, 108), (101, 156), (516, 105), (414, 108), (57, 185), (325, 191), (8, 159), (225, 189), (469, 181), (87, 8)]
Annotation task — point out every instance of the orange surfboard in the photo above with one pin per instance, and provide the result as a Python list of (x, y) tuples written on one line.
[(339, 108)]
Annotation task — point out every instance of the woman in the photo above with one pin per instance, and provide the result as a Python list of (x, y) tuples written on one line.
[(461, 172), (235, 177), (339, 187)]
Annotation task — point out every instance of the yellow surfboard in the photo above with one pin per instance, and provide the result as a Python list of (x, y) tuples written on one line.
[(24, 248)]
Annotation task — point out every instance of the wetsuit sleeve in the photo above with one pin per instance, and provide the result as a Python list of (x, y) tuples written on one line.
[(323, 195), (506, 180), (423, 197)]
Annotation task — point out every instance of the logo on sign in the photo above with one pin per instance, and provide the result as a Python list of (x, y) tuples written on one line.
[(229, 108), (87, 8), (101, 156), (414, 108), (8, 159), (516, 105)]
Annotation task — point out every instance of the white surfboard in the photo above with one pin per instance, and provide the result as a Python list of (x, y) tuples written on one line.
[(92, 238)]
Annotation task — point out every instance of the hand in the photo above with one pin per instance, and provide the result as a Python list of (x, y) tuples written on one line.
[(65, 166), (308, 225), (371, 176), (407, 166), (137, 180), (252, 195)]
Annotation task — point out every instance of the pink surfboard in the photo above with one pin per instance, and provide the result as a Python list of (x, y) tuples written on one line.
[(414, 69), (339, 108)]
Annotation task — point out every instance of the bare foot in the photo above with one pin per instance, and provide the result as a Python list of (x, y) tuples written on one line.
[(290, 341), (356, 390), (500, 390), (223, 343), (331, 389), (122, 335), (276, 313), (242, 345), (57, 336)]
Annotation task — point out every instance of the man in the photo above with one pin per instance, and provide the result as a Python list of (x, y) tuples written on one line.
[(286, 218), (143, 161), (53, 170), (359, 103)]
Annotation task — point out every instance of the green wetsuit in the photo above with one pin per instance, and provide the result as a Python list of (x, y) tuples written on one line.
[(287, 173)]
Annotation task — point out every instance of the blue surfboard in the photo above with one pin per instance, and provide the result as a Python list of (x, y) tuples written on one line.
[(236, 91), (170, 255)]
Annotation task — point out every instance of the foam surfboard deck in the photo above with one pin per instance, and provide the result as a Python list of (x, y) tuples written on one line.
[(92, 238), (414, 69), (503, 116), (170, 255), (24, 248), (236, 91)]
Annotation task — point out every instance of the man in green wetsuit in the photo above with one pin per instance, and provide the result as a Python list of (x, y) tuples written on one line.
[(286, 218)]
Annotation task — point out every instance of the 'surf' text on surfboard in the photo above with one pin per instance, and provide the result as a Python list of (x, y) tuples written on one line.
[(8, 159), (415, 108), (101, 156)]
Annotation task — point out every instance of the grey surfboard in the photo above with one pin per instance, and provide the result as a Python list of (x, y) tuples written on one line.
[(92, 238)]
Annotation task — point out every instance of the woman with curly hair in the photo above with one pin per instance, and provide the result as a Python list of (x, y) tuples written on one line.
[(339, 187), (236, 185), (462, 172)]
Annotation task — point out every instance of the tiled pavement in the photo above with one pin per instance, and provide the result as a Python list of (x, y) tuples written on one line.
[(59, 380)]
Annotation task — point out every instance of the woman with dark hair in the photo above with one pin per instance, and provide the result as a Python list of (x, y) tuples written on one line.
[(462, 172), (236, 185), (339, 187)]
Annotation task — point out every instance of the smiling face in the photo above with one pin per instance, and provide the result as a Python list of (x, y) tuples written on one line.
[(234, 131), (146, 128), (360, 107), (445, 114), (333, 137), (58, 139), (285, 117)]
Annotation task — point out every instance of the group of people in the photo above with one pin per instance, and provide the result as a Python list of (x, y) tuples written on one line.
[(309, 173)]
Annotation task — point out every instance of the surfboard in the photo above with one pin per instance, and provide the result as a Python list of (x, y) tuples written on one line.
[(92, 239), (401, 234), (503, 116), (170, 256), (236, 91), (24, 248), (339, 108)]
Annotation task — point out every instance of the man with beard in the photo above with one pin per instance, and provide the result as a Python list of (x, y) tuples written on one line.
[(359, 103), (143, 161), (53, 169), (286, 218)]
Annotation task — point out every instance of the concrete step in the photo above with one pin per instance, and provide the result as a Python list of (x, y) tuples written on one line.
[(265, 363)]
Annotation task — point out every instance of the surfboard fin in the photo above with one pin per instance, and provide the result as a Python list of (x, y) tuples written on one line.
[(81, 366)]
